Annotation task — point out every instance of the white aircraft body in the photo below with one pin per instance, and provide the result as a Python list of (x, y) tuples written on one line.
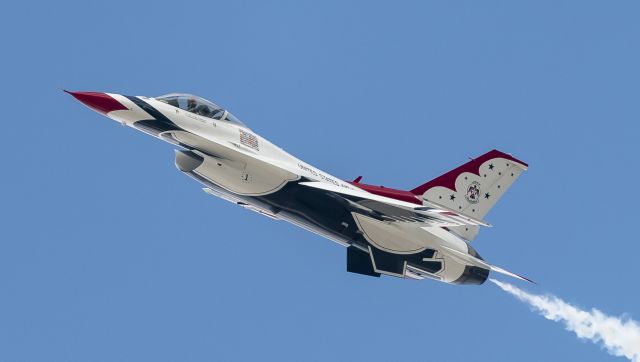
[(422, 233)]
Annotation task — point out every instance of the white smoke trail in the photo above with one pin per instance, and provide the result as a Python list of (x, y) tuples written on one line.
[(619, 336)]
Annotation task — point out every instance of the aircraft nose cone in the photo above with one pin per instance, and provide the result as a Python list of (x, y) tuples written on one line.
[(99, 102)]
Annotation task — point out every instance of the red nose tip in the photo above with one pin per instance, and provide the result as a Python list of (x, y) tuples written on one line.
[(100, 102)]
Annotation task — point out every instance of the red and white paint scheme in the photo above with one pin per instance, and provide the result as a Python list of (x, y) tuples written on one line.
[(422, 233)]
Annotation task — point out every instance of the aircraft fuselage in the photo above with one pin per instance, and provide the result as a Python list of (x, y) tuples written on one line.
[(236, 164)]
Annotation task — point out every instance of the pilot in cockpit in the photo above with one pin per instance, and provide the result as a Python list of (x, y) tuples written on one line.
[(199, 108), (191, 104)]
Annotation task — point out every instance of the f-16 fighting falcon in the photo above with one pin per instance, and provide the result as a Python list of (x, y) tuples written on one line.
[(421, 233)]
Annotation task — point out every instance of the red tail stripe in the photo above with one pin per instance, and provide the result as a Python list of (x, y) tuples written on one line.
[(448, 180)]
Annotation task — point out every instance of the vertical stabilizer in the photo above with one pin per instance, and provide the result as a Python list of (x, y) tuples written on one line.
[(473, 188)]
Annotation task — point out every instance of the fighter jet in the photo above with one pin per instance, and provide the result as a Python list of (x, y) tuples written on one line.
[(423, 233)]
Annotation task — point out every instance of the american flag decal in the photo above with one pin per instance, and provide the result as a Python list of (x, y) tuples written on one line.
[(249, 140)]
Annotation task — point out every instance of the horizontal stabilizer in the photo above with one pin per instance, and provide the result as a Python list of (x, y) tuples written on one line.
[(470, 259), (513, 275)]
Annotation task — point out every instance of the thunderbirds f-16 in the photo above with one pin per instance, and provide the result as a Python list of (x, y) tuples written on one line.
[(421, 233)]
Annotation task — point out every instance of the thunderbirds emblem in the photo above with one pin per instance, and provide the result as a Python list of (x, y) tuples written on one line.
[(473, 193)]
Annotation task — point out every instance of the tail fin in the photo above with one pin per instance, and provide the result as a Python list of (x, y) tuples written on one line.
[(474, 187)]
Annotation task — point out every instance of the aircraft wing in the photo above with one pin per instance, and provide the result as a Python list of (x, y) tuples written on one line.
[(398, 210)]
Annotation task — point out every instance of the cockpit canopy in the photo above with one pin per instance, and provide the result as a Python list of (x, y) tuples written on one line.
[(198, 105)]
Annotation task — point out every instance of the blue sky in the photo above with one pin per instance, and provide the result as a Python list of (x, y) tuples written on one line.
[(108, 253)]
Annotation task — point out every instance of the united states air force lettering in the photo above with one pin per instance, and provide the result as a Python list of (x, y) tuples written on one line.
[(321, 176)]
